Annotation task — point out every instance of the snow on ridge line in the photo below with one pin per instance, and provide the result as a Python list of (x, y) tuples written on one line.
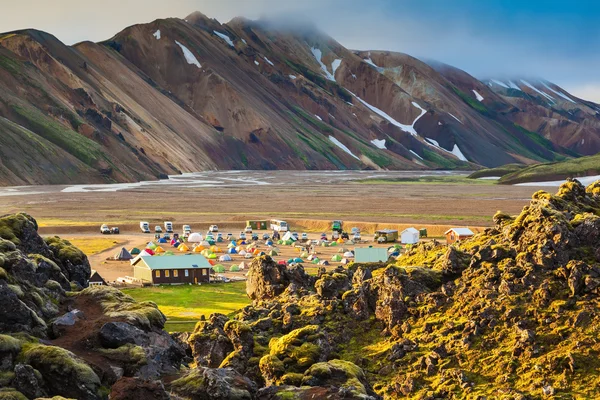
[(292, 77), (342, 146), (559, 93), (546, 95), (416, 154), (226, 38), (317, 54), (157, 34), (189, 56), (497, 82), (379, 143), (477, 95), (455, 118), (513, 85)]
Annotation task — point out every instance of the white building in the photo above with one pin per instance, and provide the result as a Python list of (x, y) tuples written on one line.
[(409, 236)]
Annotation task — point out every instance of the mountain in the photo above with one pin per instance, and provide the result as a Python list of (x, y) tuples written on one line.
[(182, 95)]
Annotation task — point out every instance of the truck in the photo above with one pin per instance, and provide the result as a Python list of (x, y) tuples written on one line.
[(336, 226), (168, 226), (145, 227), (187, 230)]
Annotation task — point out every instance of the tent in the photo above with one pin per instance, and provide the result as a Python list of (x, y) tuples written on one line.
[(195, 238), (168, 253), (242, 252), (315, 260), (269, 243), (183, 247), (289, 237), (212, 262), (151, 246), (290, 261), (149, 252), (280, 242), (215, 249), (336, 258), (212, 256), (248, 255), (199, 249), (297, 260), (173, 241), (324, 262), (349, 254), (262, 253), (232, 251), (333, 244), (205, 243), (123, 254), (135, 251), (162, 240), (409, 236), (282, 262), (340, 241), (218, 268), (345, 261), (324, 244), (304, 255), (159, 250), (234, 268), (311, 257), (349, 241), (273, 253), (343, 250), (244, 265), (226, 257)]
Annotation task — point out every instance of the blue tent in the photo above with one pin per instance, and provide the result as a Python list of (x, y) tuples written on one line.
[(232, 251), (297, 260), (162, 240)]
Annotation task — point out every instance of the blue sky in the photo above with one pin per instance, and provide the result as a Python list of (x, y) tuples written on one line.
[(555, 40)]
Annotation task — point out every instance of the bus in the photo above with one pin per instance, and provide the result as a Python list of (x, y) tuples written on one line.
[(278, 225)]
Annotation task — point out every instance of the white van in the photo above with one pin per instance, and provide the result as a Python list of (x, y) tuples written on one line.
[(168, 227), (145, 227), (278, 225)]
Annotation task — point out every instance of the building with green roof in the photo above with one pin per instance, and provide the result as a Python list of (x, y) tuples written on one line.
[(172, 269)]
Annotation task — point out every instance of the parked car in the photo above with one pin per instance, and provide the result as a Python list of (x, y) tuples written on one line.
[(167, 236), (115, 230), (104, 230), (157, 236), (157, 229), (356, 237), (169, 226), (242, 236), (295, 234), (345, 236), (213, 228), (219, 237), (255, 236), (248, 229), (323, 236), (304, 236), (335, 235), (265, 236)]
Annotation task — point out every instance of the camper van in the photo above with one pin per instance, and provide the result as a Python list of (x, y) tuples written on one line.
[(145, 227), (186, 229), (278, 225), (168, 227), (104, 229)]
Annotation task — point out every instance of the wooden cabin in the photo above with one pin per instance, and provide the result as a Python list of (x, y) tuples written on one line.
[(456, 234), (172, 270), (96, 279)]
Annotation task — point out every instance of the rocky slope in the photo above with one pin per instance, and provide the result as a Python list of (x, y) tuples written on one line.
[(511, 313), (182, 95)]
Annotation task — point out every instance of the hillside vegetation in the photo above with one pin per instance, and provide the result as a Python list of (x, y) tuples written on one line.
[(578, 167)]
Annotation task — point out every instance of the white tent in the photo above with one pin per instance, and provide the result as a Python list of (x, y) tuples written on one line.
[(225, 257), (248, 255), (195, 238), (349, 254), (143, 253), (244, 265), (205, 243), (288, 236), (242, 252), (409, 236)]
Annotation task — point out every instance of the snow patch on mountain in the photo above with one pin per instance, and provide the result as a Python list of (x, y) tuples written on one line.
[(225, 38), (455, 118), (529, 85), (379, 143), (256, 62), (455, 150), (406, 128), (370, 62), (292, 77), (477, 95), (559, 93), (513, 85), (497, 82), (319, 118), (342, 146), (268, 61), (189, 56), (335, 64), (416, 154), (157, 34), (318, 54)]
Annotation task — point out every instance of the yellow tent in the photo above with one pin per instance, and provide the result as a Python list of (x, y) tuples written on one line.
[(183, 247), (159, 250), (340, 240), (215, 249), (198, 249), (206, 252)]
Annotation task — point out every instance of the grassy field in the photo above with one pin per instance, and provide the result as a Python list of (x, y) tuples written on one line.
[(584, 166), (498, 171), (183, 305), (91, 246)]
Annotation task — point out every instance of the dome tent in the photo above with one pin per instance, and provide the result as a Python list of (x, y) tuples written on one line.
[(234, 268), (135, 251), (183, 248), (159, 250), (218, 268), (349, 254), (151, 245), (336, 258), (123, 254), (225, 257), (162, 240), (195, 238), (232, 251)]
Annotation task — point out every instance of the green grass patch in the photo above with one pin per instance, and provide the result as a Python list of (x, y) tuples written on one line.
[(474, 104), (424, 180), (184, 305), (578, 167), (498, 171)]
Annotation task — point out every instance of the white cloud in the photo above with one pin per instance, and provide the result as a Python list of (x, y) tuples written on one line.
[(589, 91)]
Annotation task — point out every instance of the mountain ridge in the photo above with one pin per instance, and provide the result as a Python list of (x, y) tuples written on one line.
[(182, 95)]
